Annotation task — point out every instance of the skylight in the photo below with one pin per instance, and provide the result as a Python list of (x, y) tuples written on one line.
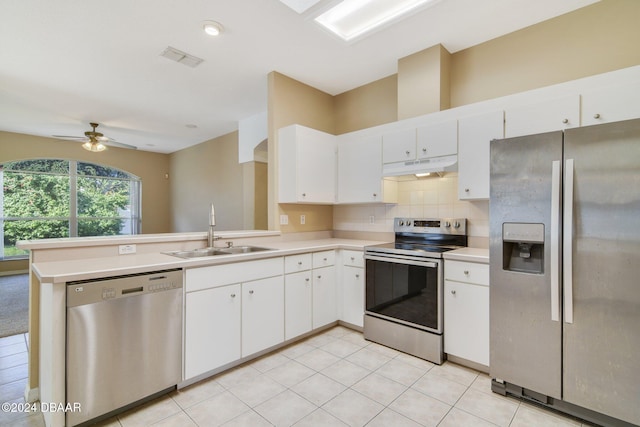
[(351, 19)]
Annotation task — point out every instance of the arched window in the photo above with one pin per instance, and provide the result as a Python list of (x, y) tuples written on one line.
[(52, 198)]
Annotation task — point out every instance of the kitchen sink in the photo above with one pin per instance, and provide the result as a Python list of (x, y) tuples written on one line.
[(206, 252)]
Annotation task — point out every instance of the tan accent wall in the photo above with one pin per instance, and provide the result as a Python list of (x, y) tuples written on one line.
[(596, 39), (292, 102), (150, 167), (423, 82), (367, 106), (203, 174)]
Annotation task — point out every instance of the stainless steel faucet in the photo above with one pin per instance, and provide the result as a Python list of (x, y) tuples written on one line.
[(212, 223)]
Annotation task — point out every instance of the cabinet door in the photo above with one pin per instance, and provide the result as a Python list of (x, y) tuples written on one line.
[(262, 314), (545, 116), (474, 135), (360, 170), (399, 146), (317, 168), (438, 139), (466, 321), (212, 329), (324, 296), (297, 304), (610, 104), (353, 295)]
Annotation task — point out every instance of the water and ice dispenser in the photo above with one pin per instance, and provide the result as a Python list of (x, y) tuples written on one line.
[(523, 247)]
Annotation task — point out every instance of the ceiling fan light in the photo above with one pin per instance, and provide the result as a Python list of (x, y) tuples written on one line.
[(94, 147)]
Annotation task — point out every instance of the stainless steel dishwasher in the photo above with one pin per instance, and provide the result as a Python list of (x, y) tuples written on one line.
[(124, 341)]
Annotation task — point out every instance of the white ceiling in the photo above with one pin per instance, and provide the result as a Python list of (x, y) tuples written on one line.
[(65, 63)]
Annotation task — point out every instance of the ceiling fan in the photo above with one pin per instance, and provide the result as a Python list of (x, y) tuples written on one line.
[(95, 141)]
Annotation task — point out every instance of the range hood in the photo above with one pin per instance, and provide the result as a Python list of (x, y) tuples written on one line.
[(412, 167)]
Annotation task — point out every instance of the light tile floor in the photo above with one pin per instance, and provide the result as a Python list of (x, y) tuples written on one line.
[(335, 378)]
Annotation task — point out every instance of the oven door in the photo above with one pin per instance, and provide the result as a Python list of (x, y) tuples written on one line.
[(405, 290)]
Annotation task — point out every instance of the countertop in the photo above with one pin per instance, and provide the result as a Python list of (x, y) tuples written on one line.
[(92, 268), (478, 255)]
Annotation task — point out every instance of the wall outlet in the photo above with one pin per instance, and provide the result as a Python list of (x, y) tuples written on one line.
[(372, 219), (302, 219), (284, 219), (126, 249)]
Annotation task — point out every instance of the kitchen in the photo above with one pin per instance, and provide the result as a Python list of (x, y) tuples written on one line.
[(416, 199)]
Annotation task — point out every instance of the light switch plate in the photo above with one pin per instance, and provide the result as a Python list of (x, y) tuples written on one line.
[(284, 219), (303, 219)]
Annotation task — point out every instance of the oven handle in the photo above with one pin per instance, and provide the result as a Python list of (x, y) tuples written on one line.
[(429, 264)]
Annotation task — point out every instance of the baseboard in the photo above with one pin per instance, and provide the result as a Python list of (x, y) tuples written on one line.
[(31, 394), (13, 273)]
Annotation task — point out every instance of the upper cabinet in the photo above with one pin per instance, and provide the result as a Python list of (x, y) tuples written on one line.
[(439, 139), (610, 104), (434, 140), (360, 172), (474, 135), (544, 116), (306, 165)]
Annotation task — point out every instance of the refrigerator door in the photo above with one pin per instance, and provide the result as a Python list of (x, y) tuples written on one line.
[(525, 188), (602, 344)]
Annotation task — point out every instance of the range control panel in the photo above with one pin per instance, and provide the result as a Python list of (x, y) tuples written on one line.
[(431, 225)]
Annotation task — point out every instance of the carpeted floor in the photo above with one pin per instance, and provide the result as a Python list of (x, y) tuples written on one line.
[(14, 304)]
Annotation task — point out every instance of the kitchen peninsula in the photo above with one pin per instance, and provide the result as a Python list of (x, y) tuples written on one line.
[(54, 262)]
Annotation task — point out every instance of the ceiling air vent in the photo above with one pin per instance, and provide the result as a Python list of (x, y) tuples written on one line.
[(182, 57)]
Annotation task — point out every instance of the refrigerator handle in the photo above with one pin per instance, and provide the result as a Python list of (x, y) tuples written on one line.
[(555, 240), (567, 242)]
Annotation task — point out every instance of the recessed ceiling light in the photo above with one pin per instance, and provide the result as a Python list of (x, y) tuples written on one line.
[(350, 19), (212, 28)]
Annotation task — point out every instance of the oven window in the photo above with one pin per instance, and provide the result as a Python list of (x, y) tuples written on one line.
[(404, 292)]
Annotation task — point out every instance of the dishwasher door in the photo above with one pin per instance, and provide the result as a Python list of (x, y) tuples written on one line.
[(124, 341)]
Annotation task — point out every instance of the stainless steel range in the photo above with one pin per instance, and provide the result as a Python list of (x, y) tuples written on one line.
[(404, 285)]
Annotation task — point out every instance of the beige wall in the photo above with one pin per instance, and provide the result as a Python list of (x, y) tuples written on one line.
[(150, 167), (203, 174), (593, 40), (292, 102)]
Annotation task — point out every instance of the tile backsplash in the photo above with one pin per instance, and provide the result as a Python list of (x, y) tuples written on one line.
[(419, 198)]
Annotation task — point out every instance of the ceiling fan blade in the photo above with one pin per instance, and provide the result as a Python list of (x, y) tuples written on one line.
[(115, 143), (69, 137)]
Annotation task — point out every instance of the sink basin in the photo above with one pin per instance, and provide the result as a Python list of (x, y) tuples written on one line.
[(243, 249), (198, 253)]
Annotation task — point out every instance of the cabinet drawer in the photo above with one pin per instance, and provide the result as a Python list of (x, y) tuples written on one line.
[(219, 275), (353, 258), (295, 263), (469, 272), (324, 258)]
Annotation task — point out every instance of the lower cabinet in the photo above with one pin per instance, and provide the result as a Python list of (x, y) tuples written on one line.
[(212, 331), (324, 296), (297, 304), (353, 287), (466, 311), (262, 314)]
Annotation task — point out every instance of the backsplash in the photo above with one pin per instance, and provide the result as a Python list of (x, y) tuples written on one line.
[(420, 198)]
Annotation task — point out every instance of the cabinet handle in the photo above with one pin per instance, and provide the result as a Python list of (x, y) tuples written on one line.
[(306, 279), (357, 276), (233, 295), (324, 259), (466, 190), (375, 195), (251, 292), (407, 152), (453, 292), (424, 149), (466, 272), (319, 277), (565, 121), (596, 116), (353, 258), (299, 262)]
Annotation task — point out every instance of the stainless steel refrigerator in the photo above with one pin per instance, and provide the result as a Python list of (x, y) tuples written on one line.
[(565, 270)]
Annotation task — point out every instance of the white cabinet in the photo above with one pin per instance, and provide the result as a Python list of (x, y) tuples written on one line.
[(399, 146), (297, 304), (353, 287), (212, 329), (306, 166), (474, 135), (231, 310), (545, 116), (262, 314), (610, 104), (466, 311), (438, 139), (324, 289), (360, 172)]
